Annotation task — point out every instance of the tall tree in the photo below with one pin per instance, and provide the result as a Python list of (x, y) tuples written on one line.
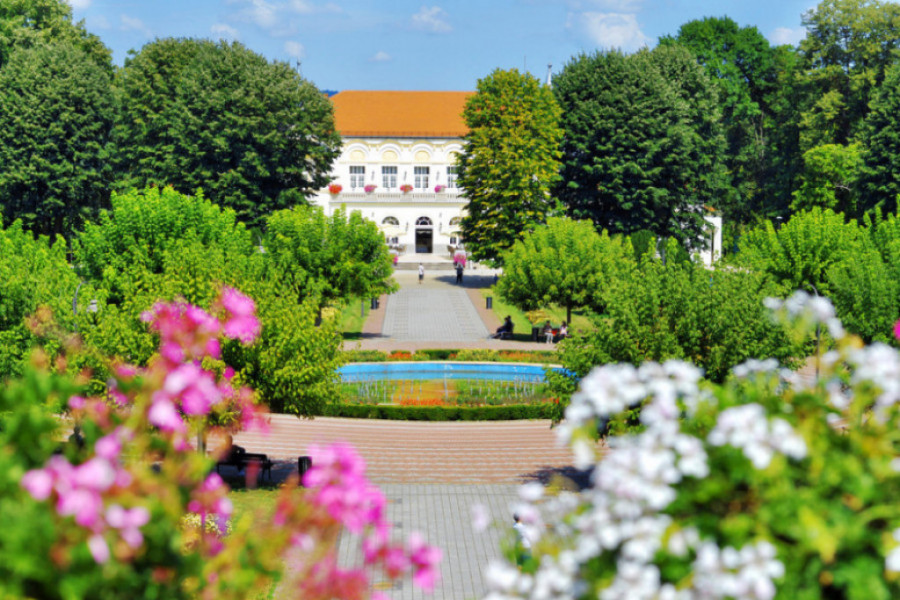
[(196, 114), (510, 160), (742, 64), (29, 23), (56, 113), (848, 46), (829, 179), (566, 263), (880, 177), (342, 256), (642, 147)]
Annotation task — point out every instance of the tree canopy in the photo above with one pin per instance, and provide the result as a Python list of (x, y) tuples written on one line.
[(56, 113), (342, 256), (510, 160), (194, 114), (642, 146), (566, 263)]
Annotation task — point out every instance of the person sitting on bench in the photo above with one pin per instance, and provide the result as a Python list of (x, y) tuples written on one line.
[(505, 330)]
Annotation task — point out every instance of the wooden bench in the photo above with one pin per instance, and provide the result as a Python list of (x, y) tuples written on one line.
[(241, 459)]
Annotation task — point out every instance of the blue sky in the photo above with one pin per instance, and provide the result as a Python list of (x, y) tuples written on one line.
[(423, 44)]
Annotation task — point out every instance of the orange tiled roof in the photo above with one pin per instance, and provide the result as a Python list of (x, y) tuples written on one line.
[(400, 114)]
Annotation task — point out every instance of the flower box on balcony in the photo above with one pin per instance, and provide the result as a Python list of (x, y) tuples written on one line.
[(370, 188), (439, 188), (335, 188), (406, 188)]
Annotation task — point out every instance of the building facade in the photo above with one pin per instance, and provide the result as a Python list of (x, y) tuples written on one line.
[(397, 166)]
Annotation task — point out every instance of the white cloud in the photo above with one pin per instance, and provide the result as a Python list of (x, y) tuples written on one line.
[(79, 4), (295, 50), (786, 35), (432, 19), (134, 24), (612, 30), (262, 13), (380, 56), (221, 31), (99, 22)]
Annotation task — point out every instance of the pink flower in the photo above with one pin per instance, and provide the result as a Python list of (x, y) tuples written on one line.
[(242, 324), (163, 415), (194, 386), (99, 548), (425, 561), (128, 522), (897, 330), (109, 446), (96, 474), (76, 402), (38, 483), (84, 504)]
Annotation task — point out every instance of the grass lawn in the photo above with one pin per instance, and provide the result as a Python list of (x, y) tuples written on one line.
[(557, 314), (350, 322)]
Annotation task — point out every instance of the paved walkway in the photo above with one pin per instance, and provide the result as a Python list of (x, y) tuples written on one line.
[(433, 473)]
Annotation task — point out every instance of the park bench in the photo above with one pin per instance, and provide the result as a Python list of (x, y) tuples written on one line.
[(240, 459)]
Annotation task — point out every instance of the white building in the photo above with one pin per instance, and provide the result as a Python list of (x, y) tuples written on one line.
[(397, 165), (397, 168)]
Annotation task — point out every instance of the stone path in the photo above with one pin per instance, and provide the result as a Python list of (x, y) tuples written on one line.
[(447, 315), (433, 473)]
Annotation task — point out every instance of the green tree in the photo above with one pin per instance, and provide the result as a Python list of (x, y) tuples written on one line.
[(742, 64), (565, 263), (196, 114), (158, 244), (829, 179), (880, 177), (342, 256), (510, 160), (800, 253), (29, 23), (642, 147), (56, 113), (848, 46), (33, 273)]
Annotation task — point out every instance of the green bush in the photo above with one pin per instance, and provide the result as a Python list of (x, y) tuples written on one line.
[(441, 413), (435, 354), (355, 356), (478, 355)]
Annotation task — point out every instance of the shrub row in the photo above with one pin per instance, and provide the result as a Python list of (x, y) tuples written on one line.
[(441, 413), (479, 354)]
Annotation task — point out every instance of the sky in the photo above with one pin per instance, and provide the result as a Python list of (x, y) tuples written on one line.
[(424, 44)]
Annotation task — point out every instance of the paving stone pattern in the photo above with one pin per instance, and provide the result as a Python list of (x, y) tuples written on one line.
[(426, 314)]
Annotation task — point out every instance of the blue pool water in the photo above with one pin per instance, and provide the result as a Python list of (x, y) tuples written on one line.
[(419, 371)]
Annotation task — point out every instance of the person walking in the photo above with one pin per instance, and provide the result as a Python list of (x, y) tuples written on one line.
[(459, 273), (523, 544), (421, 273)]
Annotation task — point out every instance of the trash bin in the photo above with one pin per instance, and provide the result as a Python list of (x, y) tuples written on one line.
[(303, 465), (490, 302), (374, 303), (535, 334)]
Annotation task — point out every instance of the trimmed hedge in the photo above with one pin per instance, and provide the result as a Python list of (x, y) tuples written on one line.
[(441, 413)]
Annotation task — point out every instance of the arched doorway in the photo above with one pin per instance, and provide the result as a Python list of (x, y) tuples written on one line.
[(424, 236)]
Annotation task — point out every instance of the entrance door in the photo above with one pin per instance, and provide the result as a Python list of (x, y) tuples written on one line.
[(424, 241), (424, 236)]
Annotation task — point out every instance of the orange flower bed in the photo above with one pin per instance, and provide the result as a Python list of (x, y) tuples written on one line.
[(401, 355), (422, 402)]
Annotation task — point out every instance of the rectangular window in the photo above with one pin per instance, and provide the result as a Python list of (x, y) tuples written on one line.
[(389, 178), (357, 176), (421, 174), (452, 174)]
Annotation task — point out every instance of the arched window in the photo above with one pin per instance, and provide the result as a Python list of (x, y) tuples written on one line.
[(390, 221), (423, 222)]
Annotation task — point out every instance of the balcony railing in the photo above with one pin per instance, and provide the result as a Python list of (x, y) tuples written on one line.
[(414, 197)]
